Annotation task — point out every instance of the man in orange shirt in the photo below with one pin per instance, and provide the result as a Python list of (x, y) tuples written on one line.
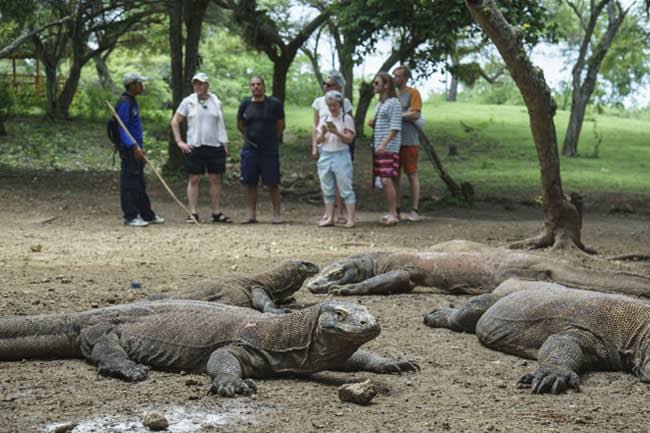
[(411, 107)]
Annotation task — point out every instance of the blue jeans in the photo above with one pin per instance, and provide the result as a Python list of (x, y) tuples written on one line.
[(335, 170)]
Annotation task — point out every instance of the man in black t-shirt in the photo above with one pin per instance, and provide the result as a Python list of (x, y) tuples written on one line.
[(261, 120)]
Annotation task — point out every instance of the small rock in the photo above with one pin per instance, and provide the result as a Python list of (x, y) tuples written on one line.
[(65, 428), (155, 421), (359, 393), (36, 248)]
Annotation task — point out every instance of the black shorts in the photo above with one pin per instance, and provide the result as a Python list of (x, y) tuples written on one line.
[(206, 158)]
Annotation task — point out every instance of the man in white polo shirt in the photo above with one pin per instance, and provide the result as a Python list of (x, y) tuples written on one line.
[(206, 147)]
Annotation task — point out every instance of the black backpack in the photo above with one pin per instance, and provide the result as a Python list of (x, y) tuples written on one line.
[(113, 126)]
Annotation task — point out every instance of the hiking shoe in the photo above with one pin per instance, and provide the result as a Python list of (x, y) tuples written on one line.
[(136, 222), (189, 220), (156, 220), (414, 216)]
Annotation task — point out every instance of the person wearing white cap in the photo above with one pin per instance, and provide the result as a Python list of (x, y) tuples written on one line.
[(136, 207), (206, 145)]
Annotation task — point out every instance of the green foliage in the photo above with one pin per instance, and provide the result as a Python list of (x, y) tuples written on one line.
[(6, 99), (503, 91)]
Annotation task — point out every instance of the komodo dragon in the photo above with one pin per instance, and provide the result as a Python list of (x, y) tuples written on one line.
[(567, 330), (230, 344), (261, 292), (462, 267)]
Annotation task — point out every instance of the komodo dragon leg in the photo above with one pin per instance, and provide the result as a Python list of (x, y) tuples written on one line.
[(227, 376), (463, 318), (363, 360), (101, 345), (397, 281), (560, 357), (262, 302)]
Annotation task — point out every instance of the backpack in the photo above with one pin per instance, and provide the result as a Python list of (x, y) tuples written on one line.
[(113, 126)]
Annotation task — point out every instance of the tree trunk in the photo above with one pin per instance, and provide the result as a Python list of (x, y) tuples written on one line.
[(452, 92), (184, 60), (280, 72), (69, 88), (174, 162), (3, 130), (584, 84), (103, 73), (52, 109), (562, 216), (576, 119), (365, 97)]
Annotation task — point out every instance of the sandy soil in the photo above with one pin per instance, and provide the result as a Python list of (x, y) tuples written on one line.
[(64, 248)]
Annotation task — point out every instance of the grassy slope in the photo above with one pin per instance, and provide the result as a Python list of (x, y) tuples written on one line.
[(495, 149)]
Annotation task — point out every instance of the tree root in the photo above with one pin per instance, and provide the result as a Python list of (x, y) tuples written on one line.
[(634, 257), (558, 242)]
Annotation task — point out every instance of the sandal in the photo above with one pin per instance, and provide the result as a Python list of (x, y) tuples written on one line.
[(326, 223), (341, 220), (249, 221), (220, 218), (189, 219)]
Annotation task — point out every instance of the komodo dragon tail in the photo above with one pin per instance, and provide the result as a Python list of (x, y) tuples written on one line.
[(606, 281), (38, 337)]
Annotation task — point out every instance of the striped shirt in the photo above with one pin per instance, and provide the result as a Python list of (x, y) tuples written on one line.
[(388, 115)]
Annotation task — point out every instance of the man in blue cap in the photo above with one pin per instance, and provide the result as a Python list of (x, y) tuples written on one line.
[(136, 206)]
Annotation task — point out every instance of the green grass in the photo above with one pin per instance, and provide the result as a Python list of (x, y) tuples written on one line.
[(494, 148)]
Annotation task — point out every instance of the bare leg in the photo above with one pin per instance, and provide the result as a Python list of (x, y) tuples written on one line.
[(251, 191), (328, 218), (351, 209), (276, 200), (341, 207), (215, 192), (193, 185), (390, 196), (414, 184)]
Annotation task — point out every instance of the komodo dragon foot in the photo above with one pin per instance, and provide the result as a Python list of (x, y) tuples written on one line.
[(130, 371), (550, 380), (232, 385), (398, 367)]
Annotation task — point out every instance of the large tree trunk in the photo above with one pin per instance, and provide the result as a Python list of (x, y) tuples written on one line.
[(69, 88), (562, 216), (365, 97), (280, 71), (3, 130), (583, 83), (184, 59)]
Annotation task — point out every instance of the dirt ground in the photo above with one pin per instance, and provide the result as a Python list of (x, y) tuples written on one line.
[(64, 249)]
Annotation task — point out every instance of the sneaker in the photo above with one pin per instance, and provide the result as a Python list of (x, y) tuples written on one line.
[(156, 220), (136, 222), (189, 219), (413, 216)]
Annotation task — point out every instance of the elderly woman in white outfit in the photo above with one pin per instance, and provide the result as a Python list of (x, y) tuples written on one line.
[(334, 133), (333, 81)]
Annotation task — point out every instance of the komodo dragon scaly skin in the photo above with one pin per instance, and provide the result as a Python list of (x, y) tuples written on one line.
[(262, 291), (567, 330), (462, 267), (230, 344)]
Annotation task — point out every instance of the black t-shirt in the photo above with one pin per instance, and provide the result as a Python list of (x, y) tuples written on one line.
[(261, 122)]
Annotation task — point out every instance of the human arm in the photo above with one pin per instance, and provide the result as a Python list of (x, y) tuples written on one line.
[(382, 147), (415, 106), (314, 136), (177, 119)]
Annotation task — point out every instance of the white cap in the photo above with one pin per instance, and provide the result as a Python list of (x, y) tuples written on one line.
[(200, 76), (133, 77)]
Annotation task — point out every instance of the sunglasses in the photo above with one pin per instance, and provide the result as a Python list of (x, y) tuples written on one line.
[(377, 83)]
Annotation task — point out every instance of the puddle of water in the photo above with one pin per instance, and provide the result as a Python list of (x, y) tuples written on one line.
[(181, 420)]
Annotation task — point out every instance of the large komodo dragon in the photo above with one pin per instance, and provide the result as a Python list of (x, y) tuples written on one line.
[(462, 267), (230, 344), (566, 330), (262, 291)]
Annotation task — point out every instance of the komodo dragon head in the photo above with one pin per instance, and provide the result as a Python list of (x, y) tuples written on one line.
[(288, 278), (345, 271), (346, 324)]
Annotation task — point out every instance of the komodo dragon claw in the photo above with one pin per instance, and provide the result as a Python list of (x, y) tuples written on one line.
[(399, 367), (550, 381), (131, 373), (233, 386)]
